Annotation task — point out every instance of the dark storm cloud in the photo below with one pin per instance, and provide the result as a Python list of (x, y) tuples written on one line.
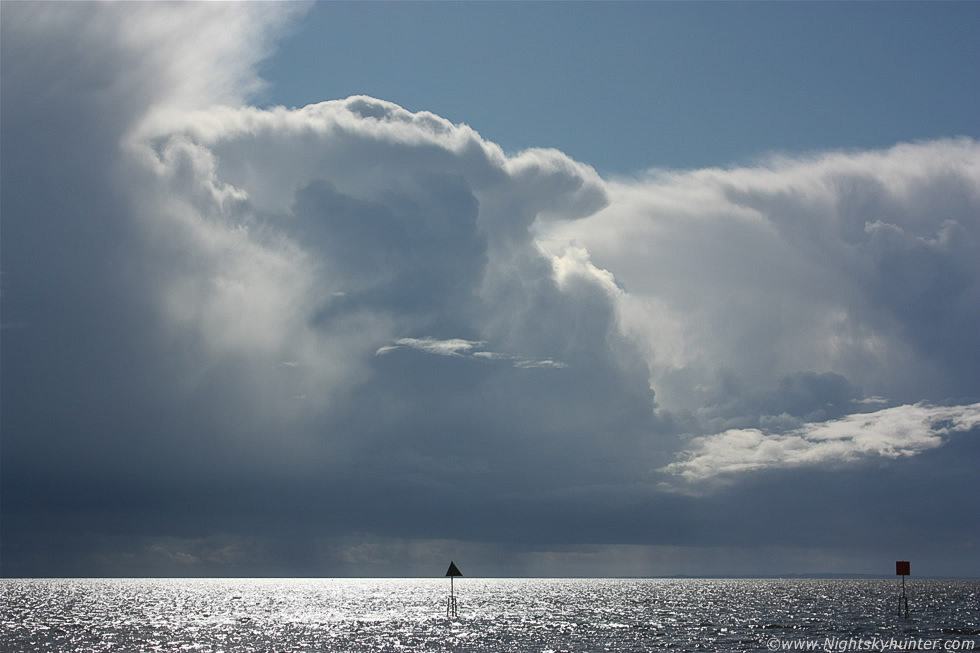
[(219, 374), (347, 338)]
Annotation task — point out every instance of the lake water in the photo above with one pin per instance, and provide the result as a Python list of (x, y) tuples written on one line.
[(543, 615)]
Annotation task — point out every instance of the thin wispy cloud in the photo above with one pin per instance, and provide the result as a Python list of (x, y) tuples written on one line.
[(450, 347), (465, 348), (888, 433)]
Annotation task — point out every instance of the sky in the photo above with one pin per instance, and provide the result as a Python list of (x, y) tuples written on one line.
[(547, 289)]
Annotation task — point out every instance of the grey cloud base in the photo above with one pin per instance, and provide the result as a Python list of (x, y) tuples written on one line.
[(346, 339)]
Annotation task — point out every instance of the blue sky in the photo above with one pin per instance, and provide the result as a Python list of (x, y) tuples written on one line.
[(625, 86), (547, 289)]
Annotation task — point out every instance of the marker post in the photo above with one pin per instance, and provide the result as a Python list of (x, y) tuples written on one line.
[(451, 604), (902, 569)]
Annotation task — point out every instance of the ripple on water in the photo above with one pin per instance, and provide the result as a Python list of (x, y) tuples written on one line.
[(495, 614)]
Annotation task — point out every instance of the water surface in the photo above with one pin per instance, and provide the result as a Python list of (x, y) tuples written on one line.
[(544, 615)]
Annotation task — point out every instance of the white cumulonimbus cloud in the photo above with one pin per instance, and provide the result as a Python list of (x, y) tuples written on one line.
[(317, 235), (859, 265), (779, 295), (351, 299), (775, 297)]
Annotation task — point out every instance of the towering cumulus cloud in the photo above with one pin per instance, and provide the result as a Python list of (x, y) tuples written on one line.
[(292, 341), (802, 290)]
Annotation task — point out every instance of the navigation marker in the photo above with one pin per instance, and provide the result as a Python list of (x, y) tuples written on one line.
[(902, 569), (451, 605)]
